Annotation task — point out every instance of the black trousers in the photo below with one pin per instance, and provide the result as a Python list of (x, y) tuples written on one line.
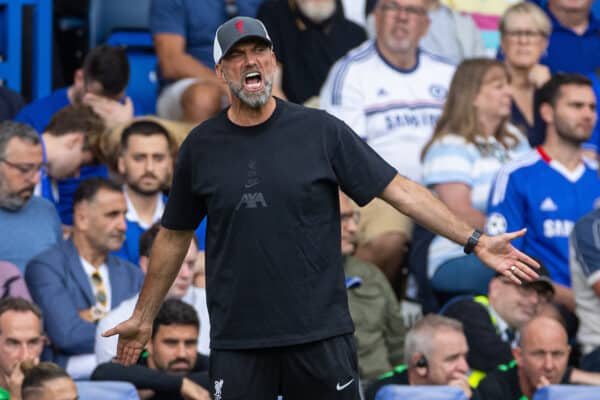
[(326, 369)]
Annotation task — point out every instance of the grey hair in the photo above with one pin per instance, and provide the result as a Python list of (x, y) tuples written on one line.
[(12, 129), (419, 338)]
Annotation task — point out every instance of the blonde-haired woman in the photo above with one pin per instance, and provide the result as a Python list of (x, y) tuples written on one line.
[(470, 143), (524, 32)]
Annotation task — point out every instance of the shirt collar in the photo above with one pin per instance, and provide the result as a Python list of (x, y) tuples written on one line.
[(133, 216)]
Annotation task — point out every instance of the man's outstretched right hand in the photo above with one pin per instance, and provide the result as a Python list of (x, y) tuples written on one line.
[(133, 336)]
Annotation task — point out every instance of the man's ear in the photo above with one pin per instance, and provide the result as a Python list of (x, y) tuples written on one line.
[(547, 113), (80, 218), (78, 78), (74, 139), (219, 72), (517, 353), (121, 164), (419, 362)]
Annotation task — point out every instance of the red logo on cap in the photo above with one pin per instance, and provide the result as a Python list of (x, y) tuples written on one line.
[(240, 26)]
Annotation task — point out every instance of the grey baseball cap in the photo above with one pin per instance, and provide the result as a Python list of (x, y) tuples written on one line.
[(236, 29)]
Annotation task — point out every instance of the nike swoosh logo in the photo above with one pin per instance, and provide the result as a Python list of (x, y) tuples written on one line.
[(251, 183), (339, 387)]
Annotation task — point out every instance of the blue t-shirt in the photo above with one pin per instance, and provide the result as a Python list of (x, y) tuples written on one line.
[(130, 250), (594, 142), (197, 21), (29, 231), (570, 52), (539, 194), (38, 114)]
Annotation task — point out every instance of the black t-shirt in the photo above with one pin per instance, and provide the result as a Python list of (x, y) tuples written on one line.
[(503, 384), (166, 386), (307, 50), (273, 262), (487, 350)]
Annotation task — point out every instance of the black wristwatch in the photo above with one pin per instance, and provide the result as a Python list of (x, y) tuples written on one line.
[(472, 242)]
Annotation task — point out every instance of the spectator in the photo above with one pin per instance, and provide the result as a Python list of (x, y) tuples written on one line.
[(451, 34), (171, 368), (69, 141), (584, 265), (12, 283), (82, 277), (101, 84), (29, 224), (435, 353), (106, 347), (571, 187), (540, 360), (491, 323), (524, 30), (471, 141), (375, 311), (183, 34), (48, 381), (486, 15), (146, 165), (575, 39), (391, 94), (308, 38), (21, 341)]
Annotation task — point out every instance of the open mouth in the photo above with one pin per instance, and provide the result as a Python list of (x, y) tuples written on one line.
[(253, 81)]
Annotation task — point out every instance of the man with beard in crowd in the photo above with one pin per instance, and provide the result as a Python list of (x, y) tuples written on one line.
[(146, 165), (569, 187), (171, 368), (29, 224)]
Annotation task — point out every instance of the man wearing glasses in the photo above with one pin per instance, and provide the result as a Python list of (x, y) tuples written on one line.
[(76, 282), (391, 94), (30, 224)]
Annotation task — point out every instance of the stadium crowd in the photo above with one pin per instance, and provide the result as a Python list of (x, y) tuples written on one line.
[(492, 106)]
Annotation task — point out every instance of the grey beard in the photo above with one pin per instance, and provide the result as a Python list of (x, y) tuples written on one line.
[(253, 100), (13, 203)]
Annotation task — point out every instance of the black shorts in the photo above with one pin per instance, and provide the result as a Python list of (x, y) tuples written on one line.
[(325, 370)]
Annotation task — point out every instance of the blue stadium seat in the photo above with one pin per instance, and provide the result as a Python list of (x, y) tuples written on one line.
[(405, 392), (104, 16), (98, 390), (143, 82), (567, 392)]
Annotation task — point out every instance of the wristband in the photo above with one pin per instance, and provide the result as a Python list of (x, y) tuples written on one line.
[(472, 242)]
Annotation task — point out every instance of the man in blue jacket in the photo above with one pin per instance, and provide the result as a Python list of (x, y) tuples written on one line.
[(76, 282)]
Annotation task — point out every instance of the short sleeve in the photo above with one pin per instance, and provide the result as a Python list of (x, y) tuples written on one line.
[(361, 172), (586, 243), (342, 97), (448, 161), (184, 210), (167, 16)]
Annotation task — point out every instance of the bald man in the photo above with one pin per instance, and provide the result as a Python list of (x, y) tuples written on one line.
[(539, 360)]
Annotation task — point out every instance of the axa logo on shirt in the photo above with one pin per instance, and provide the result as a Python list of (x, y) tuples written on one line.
[(557, 227), (252, 200)]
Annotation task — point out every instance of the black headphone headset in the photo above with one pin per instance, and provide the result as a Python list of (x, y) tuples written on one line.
[(422, 362)]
